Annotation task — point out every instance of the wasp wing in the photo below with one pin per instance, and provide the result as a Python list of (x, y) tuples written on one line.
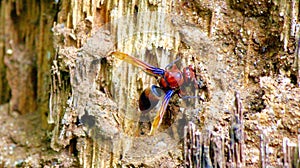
[(138, 63), (160, 114)]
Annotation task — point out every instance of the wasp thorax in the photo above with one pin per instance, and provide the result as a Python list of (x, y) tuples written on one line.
[(172, 78)]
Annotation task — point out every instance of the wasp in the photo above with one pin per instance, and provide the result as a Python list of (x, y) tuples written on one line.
[(171, 81)]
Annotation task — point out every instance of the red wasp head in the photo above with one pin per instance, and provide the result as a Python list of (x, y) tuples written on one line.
[(190, 77), (188, 73)]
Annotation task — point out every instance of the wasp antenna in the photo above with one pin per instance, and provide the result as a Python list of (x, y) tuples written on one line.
[(172, 63)]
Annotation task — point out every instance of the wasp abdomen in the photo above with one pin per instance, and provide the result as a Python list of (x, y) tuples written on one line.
[(149, 98)]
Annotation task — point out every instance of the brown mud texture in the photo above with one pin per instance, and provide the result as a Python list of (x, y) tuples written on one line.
[(65, 101)]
